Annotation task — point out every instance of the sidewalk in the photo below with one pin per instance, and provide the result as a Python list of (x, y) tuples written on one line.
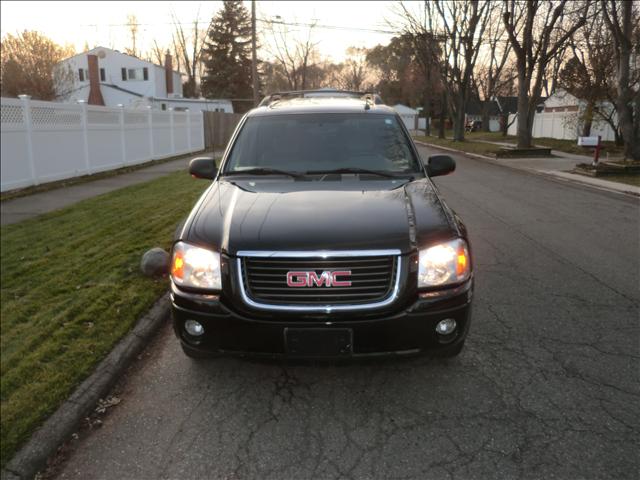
[(558, 167), (23, 208)]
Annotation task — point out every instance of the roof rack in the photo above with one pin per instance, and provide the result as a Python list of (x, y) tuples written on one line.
[(368, 97)]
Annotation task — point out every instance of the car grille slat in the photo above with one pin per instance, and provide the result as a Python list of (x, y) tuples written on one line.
[(265, 280)]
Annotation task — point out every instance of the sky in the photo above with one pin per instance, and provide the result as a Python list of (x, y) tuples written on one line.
[(98, 23)]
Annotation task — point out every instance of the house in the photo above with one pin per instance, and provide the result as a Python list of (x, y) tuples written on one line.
[(474, 109), (102, 76), (408, 115), (562, 116)]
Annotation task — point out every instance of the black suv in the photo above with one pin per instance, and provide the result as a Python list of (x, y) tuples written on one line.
[(321, 235)]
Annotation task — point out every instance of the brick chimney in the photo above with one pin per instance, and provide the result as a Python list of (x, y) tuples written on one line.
[(168, 72), (95, 95)]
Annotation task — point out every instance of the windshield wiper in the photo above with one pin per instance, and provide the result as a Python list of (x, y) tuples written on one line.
[(263, 171), (351, 170)]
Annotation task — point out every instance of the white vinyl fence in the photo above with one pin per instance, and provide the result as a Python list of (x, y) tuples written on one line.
[(561, 125), (48, 141)]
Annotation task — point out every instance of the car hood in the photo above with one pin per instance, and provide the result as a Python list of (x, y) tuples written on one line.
[(287, 215)]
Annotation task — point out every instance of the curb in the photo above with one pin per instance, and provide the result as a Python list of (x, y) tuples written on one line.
[(33, 456), (559, 176)]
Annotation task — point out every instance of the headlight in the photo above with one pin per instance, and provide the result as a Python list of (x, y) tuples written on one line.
[(195, 267), (444, 264)]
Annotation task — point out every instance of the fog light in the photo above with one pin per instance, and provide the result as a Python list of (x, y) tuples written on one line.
[(193, 328), (446, 326)]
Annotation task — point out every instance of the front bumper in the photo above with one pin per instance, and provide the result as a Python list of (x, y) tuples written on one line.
[(409, 329)]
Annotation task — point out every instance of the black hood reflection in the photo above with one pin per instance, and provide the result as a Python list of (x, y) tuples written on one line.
[(271, 214)]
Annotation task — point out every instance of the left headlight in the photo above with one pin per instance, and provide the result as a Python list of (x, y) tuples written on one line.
[(195, 267), (444, 264)]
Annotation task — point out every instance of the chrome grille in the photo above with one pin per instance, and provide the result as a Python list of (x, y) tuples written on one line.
[(374, 280)]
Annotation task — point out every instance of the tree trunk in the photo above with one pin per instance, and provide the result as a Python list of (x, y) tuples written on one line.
[(525, 116), (485, 117), (631, 141), (504, 124), (458, 119), (443, 116), (587, 120), (426, 110)]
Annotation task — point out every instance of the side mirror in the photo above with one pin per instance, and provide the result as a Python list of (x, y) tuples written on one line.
[(440, 165), (203, 167)]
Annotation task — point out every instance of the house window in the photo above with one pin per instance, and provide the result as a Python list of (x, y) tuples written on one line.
[(164, 106), (139, 74), (103, 76), (124, 74), (83, 74)]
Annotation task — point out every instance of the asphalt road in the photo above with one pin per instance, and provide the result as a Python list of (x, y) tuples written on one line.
[(547, 386)]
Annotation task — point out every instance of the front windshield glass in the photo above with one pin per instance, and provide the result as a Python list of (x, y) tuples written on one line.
[(321, 142)]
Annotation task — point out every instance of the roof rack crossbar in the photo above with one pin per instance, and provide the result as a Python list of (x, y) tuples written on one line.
[(273, 97)]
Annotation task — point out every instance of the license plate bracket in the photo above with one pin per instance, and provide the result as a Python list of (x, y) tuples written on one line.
[(319, 342)]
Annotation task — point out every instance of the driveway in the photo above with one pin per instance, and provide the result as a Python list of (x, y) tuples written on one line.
[(547, 386)]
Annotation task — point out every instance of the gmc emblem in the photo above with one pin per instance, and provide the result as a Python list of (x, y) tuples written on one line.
[(312, 279)]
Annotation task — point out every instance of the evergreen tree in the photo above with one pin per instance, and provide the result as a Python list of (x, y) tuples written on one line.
[(227, 56)]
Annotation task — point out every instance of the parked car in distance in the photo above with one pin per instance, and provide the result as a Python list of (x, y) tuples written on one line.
[(321, 235)]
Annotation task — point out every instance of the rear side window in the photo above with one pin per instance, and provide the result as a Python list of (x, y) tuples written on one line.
[(304, 142)]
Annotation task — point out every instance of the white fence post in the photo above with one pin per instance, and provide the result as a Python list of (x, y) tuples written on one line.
[(173, 135), (150, 124), (188, 113), (28, 124), (85, 134), (123, 142)]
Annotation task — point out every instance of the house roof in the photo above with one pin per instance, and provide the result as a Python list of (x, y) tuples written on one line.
[(95, 50), (507, 104), (404, 109), (474, 107)]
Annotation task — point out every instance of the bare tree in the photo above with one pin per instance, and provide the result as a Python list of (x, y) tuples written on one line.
[(30, 65), (156, 54), (353, 73), (418, 28), (188, 50), (623, 22), (492, 74), (463, 25), (537, 30), (589, 74), (294, 57)]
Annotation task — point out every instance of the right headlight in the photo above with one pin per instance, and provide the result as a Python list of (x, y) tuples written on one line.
[(444, 264), (195, 267)]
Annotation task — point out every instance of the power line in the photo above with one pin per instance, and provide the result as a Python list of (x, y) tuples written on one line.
[(261, 20)]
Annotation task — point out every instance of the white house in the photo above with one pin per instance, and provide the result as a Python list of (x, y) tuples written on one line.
[(102, 76), (408, 115), (117, 78)]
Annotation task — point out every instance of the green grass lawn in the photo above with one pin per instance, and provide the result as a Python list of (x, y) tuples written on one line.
[(71, 287)]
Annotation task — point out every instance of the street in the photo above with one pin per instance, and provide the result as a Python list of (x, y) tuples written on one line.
[(547, 386)]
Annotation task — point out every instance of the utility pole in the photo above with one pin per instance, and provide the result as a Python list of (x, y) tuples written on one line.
[(254, 59)]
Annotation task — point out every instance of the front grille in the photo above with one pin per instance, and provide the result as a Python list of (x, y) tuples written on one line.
[(372, 280)]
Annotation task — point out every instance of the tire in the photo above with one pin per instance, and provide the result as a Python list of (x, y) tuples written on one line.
[(451, 352), (195, 353)]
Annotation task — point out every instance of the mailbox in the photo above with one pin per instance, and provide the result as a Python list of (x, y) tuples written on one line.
[(588, 141)]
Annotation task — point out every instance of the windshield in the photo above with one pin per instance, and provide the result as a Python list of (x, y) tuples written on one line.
[(323, 142)]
